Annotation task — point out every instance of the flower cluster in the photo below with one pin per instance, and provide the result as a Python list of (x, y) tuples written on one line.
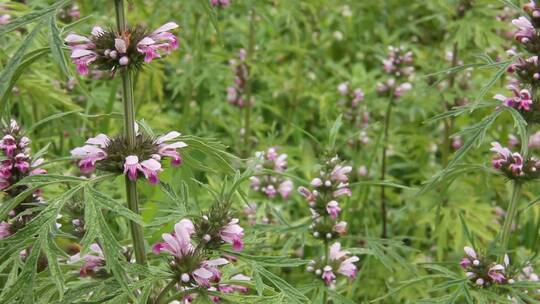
[(189, 262), (522, 100), (111, 51), (399, 66), (114, 155), (269, 184), (513, 165), (236, 94), (16, 162), (218, 227), (337, 262), (332, 183), (483, 272), (350, 102), (220, 3)]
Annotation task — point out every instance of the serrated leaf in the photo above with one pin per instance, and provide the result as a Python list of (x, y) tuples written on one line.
[(33, 16), (56, 45), (15, 60)]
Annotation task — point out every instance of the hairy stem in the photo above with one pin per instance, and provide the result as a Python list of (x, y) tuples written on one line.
[(129, 129), (510, 215), (247, 110), (447, 106), (383, 165), (326, 253)]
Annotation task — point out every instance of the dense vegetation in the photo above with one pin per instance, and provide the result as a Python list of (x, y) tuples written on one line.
[(269, 151)]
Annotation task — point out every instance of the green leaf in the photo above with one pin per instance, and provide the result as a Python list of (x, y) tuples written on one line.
[(293, 294), (334, 130), (34, 16), (56, 44), (26, 62), (51, 250), (15, 60), (50, 118), (270, 261)]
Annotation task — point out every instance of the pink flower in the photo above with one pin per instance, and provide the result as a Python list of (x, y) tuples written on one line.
[(347, 267), (82, 58), (402, 89), (285, 188), (503, 155), (150, 169), (226, 288), (5, 19), (232, 233), (316, 182), (220, 3), (100, 140), (534, 141), (469, 251), (255, 183), (327, 275), (517, 166), (280, 163), (179, 242), (522, 100), (8, 144), (343, 190), (132, 166), (272, 154), (496, 273), (160, 40), (169, 149), (465, 263), (4, 229), (333, 209), (208, 272), (21, 163), (270, 191), (358, 97), (525, 29), (4, 184), (340, 228), (88, 156), (92, 262), (232, 95), (307, 194), (339, 173), (5, 169), (343, 88)]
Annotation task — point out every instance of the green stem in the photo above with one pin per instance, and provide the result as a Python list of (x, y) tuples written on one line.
[(326, 253), (383, 165), (161, 297), (129, 129), (510, 215), (247, 110), (448, 122)]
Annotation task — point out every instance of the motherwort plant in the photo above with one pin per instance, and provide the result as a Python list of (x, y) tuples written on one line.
[(399, 67), (16, 163), (323, 197)]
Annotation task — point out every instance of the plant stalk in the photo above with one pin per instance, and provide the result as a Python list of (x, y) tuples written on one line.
[(129, 129), (448, 121), (388, 114), (247, 110), (510, 215)]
